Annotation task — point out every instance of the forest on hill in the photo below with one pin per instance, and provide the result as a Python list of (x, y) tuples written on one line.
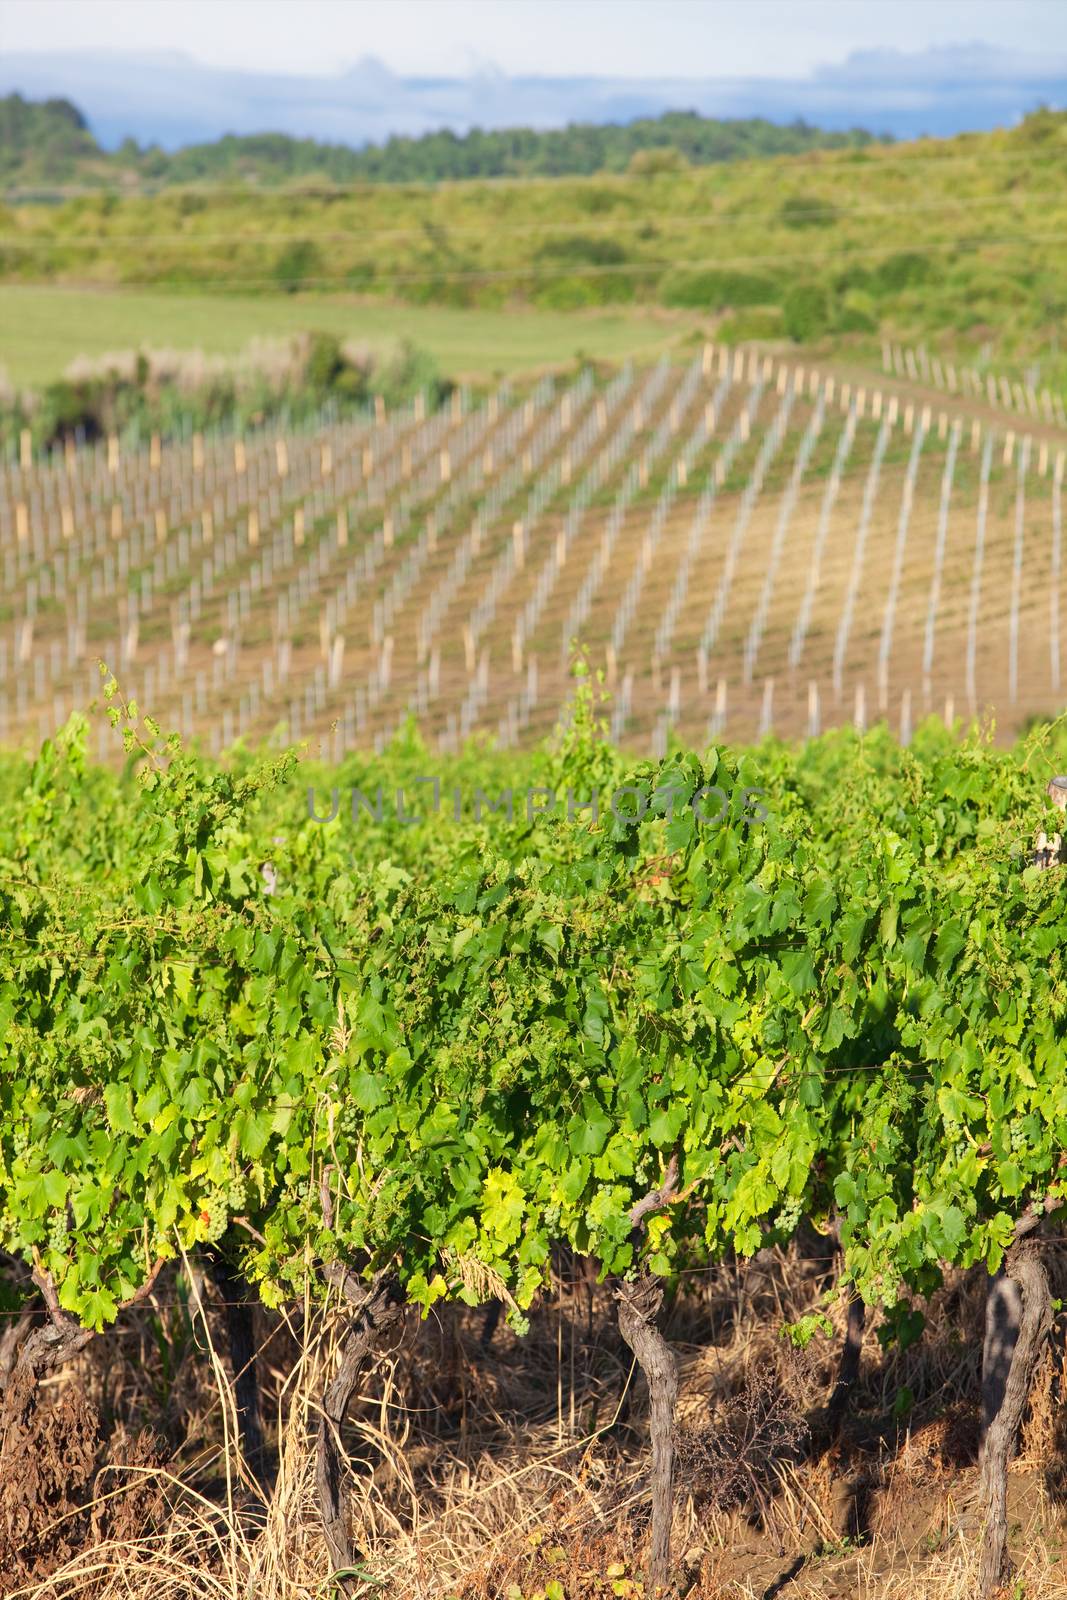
[(50, 142)]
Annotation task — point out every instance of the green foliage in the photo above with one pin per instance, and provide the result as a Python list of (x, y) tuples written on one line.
[(761, 322), (907, 269), (653, 163), (853, 317), (590, 249), (915, 230), (713, 289), (1041, 127), (803, 1331), (42, 140), (448, 1047), (807, 211), (49, 141), (296, 264), (320, 372), (806, 312)]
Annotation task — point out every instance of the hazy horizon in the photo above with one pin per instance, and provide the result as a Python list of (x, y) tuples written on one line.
[(167, 98), (183, 73)]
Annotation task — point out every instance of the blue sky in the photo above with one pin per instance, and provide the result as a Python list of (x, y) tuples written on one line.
[(559, 38), (179, 71)]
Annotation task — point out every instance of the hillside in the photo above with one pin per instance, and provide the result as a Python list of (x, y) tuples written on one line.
[(49, 143), (955, 242)]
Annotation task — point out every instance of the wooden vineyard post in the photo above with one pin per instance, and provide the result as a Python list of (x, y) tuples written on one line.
[(1017, 572), (813, 710), (718, 718), (1054, 585), (889, 615), (976, 573), (905, 717)]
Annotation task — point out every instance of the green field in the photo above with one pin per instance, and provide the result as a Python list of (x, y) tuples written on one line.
[(45, 328)]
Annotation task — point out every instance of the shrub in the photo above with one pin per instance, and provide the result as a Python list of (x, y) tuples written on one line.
[(296, 263), (807, 211), (565, 294), (856, 313), (328, 371), (807, 312), (853, 319), (410, 371), (713, 290), (651, 163), (853, 276), (762, 322), (597, 198), (583, 248), (1040, 125), (905, 269)]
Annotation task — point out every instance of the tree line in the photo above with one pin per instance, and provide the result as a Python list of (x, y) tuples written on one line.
[(50, 142)]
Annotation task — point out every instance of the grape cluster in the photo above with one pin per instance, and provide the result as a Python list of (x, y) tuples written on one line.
[(217, 1205), (59, 1231)]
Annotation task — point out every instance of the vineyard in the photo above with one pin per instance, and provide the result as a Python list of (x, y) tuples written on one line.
[(447, 1058), (744, 545), (478, 1117)]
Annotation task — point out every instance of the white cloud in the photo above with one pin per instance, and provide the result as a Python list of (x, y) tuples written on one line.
[(631, 38)]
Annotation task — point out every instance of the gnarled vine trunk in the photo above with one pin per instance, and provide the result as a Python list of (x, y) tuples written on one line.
[(639, 1304), (240, 1331), (375, 1307), (1018, 1318), (849, 1368)]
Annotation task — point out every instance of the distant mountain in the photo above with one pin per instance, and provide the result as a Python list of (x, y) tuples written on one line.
[(47, 144), (172, 101)]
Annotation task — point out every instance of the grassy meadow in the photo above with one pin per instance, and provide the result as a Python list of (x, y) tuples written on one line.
[(45, 326)]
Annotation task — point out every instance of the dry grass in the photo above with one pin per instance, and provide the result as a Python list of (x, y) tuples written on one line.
[(275, 361), (500, 1472)]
